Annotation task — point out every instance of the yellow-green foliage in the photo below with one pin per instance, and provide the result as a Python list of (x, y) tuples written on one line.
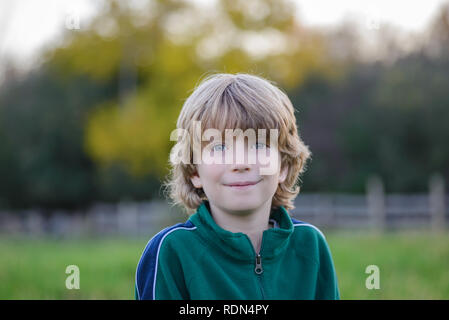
[(169, 60)]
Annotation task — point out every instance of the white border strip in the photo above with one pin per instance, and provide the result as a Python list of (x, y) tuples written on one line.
[(157, 257), (309, 225), (275, 223)]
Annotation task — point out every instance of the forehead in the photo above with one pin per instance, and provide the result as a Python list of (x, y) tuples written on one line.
[(235, 110)]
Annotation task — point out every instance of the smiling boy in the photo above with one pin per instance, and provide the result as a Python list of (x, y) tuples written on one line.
[(240, 241)]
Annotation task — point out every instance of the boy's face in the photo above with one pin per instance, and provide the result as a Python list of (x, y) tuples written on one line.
[(220, 180)]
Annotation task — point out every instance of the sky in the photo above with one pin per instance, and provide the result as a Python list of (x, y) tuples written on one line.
[(409, 15), (27, 25)]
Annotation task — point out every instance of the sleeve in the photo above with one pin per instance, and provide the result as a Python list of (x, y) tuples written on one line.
[(159, 274), (327, 284)]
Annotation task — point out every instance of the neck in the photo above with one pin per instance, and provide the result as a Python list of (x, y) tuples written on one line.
[(253, 222)]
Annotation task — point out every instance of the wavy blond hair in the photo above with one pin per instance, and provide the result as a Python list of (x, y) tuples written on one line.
[(229, 101)]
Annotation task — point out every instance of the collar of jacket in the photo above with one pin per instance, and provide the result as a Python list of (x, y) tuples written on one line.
[(238, 245)]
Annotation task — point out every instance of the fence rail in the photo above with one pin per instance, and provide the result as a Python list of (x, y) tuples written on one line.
[(338, 211), (373, 210)]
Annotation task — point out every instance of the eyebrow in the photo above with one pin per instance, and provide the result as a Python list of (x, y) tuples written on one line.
[(223, 141)]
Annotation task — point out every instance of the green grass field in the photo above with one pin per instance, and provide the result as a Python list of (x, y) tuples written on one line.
[(413, 265)]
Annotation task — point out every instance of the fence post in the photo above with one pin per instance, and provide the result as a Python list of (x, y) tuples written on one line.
[(127, 218), (437, 204), (376, 203)]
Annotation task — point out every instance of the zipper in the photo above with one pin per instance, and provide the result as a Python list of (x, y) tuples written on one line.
[(258, 269)]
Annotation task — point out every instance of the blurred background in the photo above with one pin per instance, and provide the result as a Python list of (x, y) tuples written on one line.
[(90, 91)]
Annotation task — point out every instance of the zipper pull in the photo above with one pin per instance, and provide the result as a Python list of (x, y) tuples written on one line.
[(258, 269)]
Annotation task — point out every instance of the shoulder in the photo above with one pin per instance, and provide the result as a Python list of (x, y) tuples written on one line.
[(177, 231), (309, 240), (155, 249), (305, 229), (174, 233)]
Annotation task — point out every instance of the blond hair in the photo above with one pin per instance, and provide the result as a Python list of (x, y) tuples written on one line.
[(237, 101)]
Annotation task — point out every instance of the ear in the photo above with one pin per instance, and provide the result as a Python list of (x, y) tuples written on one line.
[(196, 180), (283, 174)]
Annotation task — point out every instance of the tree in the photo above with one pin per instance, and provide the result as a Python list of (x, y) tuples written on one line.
[(169, 57)]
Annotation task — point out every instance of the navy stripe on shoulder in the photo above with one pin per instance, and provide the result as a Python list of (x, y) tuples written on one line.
[(147, 267), (305, 224)]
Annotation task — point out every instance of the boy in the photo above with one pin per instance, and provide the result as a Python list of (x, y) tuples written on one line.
[(239, 241)]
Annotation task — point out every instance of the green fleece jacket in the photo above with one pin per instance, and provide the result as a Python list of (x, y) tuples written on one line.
[(200, 260)]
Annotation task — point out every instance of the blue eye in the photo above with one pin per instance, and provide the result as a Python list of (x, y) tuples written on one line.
[(260, 145), (222, 147)]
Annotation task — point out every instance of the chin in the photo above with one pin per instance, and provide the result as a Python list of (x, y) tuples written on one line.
[(242, 205)]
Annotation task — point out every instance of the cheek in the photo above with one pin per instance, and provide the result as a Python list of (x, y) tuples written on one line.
[(269, 186), (268, 159), (211, 174)]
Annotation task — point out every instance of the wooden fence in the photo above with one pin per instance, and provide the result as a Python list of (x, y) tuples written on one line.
[(373, 210)]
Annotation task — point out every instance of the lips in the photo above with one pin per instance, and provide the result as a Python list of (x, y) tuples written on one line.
[(242, 183)]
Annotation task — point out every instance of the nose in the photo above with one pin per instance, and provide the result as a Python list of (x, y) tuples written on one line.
[(240, 167), (240, 157)]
